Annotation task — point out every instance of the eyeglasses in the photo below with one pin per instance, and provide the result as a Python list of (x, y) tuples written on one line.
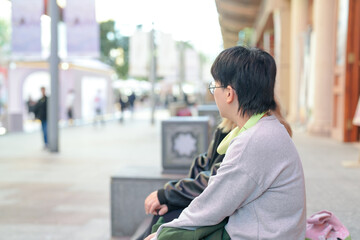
[(212, 87)]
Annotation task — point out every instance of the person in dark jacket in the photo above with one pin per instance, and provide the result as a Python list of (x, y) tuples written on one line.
[(40, 110), (176, 195), (122, 103), (131, 100), (169, 201)]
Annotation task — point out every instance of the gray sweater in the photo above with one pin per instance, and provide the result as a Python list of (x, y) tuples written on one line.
[(260, 185)]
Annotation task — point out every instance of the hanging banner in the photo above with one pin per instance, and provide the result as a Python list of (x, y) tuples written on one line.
[(192, 66), (82, 30), (167, 55), (26, 27), (139, 54)]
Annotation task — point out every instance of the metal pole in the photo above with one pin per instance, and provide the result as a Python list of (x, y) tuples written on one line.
[(182, 69), (152, 75), (200, 96), (53, 103)]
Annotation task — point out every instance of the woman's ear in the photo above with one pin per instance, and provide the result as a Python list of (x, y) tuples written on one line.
[(230, 95)]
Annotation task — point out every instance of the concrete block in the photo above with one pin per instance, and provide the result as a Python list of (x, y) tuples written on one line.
[(183, 138), (129, 188)]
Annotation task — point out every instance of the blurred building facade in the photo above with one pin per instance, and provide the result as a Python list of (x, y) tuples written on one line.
[(316, 44), (178, 65), (27, 66)]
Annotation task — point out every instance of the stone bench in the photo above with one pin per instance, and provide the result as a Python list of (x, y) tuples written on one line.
[(182, 139), (129, 188)]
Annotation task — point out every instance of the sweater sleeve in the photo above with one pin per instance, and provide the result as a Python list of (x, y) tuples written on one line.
[(230, 189), (180, 193)]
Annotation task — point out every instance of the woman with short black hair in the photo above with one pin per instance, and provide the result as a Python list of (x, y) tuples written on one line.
[(259, 186)]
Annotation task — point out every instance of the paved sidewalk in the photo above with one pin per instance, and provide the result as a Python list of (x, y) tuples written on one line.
[(329, 185), (66, 195)]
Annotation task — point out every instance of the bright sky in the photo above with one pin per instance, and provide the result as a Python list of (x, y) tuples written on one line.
[(5, 9), (195, 21)]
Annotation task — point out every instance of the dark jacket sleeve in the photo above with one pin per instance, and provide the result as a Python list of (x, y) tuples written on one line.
[(179, 194)]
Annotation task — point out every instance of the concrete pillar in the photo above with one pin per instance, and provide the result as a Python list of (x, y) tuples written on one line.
[(324, 15), (281, 16), (15, 101), (299, 19), (267, 41)]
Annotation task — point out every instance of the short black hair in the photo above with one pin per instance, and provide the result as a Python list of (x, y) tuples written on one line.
[(251, 72)]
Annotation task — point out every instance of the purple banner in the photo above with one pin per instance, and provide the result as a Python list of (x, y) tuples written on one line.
[(26, 26), (82, 29)]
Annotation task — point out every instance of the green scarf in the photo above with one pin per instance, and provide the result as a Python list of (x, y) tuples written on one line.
[(223, 146)]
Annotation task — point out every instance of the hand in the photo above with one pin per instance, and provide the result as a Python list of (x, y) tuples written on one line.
[(150, 236), (162, 210), (152, 203)]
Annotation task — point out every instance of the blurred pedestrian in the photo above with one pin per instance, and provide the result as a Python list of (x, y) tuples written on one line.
[(186, 99), (30, 106), (122, 103), (98, 106), (70, 100), (40, 110), (131, 100)]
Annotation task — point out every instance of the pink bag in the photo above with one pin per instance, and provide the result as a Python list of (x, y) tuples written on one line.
[(325, 226)]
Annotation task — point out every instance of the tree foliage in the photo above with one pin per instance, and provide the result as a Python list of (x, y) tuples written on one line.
[(245, 37), (114, 48), (4, 35)]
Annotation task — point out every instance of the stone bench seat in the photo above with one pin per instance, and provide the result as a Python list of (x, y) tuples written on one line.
[(128, 190)]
